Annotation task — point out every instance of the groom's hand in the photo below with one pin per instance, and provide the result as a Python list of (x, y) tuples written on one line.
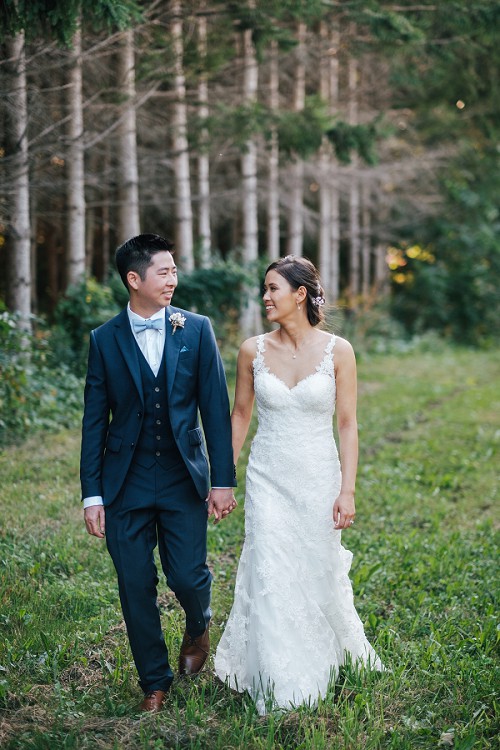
[(95, 520), (220, 503)]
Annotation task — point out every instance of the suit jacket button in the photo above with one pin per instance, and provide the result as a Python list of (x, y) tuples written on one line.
[(157, 453), (139, 414), (132, 445)]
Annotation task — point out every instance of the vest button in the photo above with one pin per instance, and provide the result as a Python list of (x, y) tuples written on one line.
[(157, 389), (158, 421), (158, 453), (158, 437), (157, 406)]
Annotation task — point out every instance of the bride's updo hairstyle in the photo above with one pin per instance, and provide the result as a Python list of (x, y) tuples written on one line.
[(299, 271)]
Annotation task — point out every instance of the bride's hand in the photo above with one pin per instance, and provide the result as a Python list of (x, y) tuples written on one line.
[(344, 511)]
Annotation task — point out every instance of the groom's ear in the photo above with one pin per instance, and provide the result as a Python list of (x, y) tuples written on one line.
[(133, 279)]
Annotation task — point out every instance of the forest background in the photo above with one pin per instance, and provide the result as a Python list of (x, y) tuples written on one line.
[(363, 135)]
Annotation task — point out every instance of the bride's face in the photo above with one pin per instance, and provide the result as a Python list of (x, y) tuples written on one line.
[(279, 298)]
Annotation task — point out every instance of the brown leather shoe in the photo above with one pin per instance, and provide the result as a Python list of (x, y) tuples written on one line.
[(153, 701), (194, 653)]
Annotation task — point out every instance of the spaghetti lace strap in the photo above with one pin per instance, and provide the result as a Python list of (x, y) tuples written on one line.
[(331, 344), (326, 365), (258, 362)]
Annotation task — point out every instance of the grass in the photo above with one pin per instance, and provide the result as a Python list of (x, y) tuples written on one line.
[(425, 548)]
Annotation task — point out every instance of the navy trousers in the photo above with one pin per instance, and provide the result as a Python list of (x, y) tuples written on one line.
[(159, 506)]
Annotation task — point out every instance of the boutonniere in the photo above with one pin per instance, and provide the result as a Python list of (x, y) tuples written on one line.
[(177, 320)]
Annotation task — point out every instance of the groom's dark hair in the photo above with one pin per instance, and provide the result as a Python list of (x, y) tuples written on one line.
[(136, 254)]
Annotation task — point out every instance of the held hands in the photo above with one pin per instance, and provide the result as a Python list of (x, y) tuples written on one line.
[(95, 520), (344, 511), (221, 503)]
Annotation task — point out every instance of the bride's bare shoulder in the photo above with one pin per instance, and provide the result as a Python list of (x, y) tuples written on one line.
[(343, 344), (343, 350), (248, 348)]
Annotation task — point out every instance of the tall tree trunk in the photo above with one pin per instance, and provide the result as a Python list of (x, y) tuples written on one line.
[(76, 170), (329, 253), (128, 205), (19, 283), (366, 238), (296, 212), (33, 249), (250, 320), (205, 237), (325, 159), (334, 283), (273, 200), (354, 191), (381, 270), (183, 210)]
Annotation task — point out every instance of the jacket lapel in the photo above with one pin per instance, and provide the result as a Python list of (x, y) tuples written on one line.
[(173, 345), (126, 343)]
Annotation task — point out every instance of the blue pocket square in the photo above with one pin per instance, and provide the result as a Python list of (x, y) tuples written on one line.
[(184, 349)]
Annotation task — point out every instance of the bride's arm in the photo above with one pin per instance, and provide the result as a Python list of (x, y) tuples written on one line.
[(345, 377), (243, 397)]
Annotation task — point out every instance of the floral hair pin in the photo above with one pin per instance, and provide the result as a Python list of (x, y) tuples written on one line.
[(318, 301), (177, 320)]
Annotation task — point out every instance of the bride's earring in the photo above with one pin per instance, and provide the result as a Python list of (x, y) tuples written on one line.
[(298, 306)]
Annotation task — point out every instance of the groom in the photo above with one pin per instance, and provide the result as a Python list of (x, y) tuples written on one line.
[(144, 471)]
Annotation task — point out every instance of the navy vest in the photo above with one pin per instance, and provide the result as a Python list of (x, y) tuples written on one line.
[(156, 443)]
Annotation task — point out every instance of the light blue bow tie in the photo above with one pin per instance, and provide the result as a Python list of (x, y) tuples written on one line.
[(143, 325)]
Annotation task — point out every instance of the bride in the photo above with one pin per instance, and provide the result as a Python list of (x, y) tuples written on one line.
[(293, 620)]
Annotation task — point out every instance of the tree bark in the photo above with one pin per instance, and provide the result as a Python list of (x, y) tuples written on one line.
[(19, 286), (354, 191), (296, 212), (325, 159), (273, 206), (205, 236), (250, 320), (334, 282), (366, 239), (128, 205), (183, 210), (75, 232)]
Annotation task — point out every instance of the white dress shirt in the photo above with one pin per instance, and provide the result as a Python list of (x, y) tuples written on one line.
[(151, 342)]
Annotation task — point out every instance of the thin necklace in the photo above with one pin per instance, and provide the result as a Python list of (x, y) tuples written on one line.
[(295, 351)]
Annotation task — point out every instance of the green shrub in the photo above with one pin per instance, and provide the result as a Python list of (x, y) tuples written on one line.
[(36, 392), (84, 307)]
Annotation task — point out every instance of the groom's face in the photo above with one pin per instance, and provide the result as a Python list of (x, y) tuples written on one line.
[(157, 288)]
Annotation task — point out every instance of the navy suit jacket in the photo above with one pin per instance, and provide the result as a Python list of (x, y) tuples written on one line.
[(114, 406)]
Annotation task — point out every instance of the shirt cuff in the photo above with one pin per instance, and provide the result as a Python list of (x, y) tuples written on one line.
[(88, 502), (222, 488)]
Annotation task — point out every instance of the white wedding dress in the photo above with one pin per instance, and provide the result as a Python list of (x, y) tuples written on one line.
[(293, 618)]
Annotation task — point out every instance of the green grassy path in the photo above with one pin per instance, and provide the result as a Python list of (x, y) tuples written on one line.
[(425, 547)]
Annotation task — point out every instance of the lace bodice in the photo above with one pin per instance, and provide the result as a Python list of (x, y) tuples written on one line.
[(312, 399)]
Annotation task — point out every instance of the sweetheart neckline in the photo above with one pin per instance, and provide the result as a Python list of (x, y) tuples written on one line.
[(267, 371)]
